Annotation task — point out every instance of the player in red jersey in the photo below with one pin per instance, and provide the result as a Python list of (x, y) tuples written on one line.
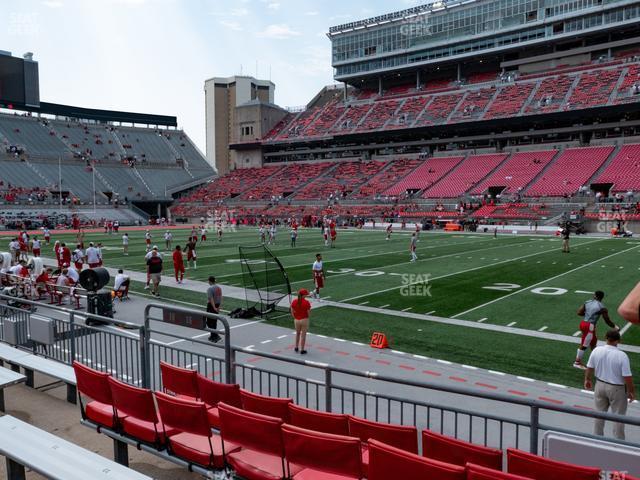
[(333, 233), (56, 252), (178, 264), (64, 256)]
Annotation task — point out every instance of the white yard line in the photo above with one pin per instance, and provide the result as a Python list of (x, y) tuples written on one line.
[(524, 289)]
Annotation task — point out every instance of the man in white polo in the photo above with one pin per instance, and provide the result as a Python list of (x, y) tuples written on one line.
[(614, 385)]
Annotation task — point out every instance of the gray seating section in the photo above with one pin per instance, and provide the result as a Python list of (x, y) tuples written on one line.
[(146, 142), (18, 173), (160, 180), (86, 136), (185, 148), (32, 135)]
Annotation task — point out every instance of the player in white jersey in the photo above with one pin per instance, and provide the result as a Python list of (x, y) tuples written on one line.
[(389, 231), (318, 275), (591, 311), (168, 236), (412, 247), (147, 256), (47, 235), (262, 234), (125, 244), (203, 234), (35, 247), (272, 234), (147, 240)]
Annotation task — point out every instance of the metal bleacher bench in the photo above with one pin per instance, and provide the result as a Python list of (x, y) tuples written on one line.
[(17, 358), (24, 445)]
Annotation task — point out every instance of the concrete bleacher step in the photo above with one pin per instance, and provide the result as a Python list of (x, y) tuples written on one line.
[(619, 82), (532, 95), (490, 102), (455, 109), (104, 181), (573, 86)]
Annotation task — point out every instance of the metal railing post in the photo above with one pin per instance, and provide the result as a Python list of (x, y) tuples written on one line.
[(328, 390), (230, 368), (534, 429), (145, 362), (72, 336)]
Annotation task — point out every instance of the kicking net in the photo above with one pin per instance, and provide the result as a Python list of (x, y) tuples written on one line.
[(266, 282)]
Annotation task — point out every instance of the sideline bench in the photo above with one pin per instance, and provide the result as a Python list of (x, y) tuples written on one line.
[(34, 363), (24, 445), (7, 379)]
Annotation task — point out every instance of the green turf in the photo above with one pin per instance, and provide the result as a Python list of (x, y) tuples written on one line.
[(366, 269)]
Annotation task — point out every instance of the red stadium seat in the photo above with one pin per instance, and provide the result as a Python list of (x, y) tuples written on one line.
[(189, 435), (540, 468), (322, 456), (265, 405), (476, 472), (95, 385), (261, 454), (387, 462), (136, 412), (180, 382), (212, 393), (399, 436), (458, 452), (335, 423)]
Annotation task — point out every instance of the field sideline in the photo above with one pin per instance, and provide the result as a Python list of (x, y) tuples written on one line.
[(518, 281)]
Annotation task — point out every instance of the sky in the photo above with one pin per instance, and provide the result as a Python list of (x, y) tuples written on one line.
[(153, 56)]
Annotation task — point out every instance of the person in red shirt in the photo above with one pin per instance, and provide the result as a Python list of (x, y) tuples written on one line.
[(64, 255), (178, 264), (300, 308), (56, 251), (333, 233)]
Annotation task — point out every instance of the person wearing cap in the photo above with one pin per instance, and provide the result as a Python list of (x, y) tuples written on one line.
[(614, 386), (147, 256), (300, 308)]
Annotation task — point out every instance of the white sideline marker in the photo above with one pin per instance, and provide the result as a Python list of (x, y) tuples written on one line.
[(431, 312), (364, 303), (526, 379), (542, 329), (482, 320), (384, 306), (577, 334), (511, 324), (406, 309)]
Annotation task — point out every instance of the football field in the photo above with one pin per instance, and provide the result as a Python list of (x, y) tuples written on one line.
[(500, 302)]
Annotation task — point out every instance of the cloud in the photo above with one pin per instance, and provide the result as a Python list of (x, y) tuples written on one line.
[(239, 12), (52, 4), (311, 13), (273, 6), (235, 26), (279, 31)]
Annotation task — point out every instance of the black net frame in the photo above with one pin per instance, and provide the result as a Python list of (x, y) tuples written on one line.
[(266, 282)]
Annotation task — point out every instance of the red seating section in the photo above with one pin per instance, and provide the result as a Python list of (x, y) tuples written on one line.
[(624, 170), (261, 454), (381, 182), (407, 114), (551, 94), (388, 462), (570, 171), (315, 446), (212, 393), (297, 126), (509, 101), (540, 468), (181, 382), (231, 184), (334, 423), (400, 436), (345, 178), (323, 123), (517, 172), (188, 433), (476, 472), (625, 90), (351, 118), (322, 456), (136, 412), (457, 452), (95, 385), (594, 89), (427, 174), (438, 109), (265, 405), (286, 180), (379, 115), (473, 105), (465, 176)]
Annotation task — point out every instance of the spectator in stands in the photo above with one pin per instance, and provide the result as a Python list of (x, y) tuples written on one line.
[(300, 308), (63, 278), (154, 267), (214, 302), (614, 381)]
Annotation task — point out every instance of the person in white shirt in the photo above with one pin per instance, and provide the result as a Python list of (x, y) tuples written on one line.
[(125, 244), (121, 285), (14, 248), (614, 385), (318, 276), (63, 279), (93, 256), (168, 236), (99, 248), (147, 256), (73, 275)]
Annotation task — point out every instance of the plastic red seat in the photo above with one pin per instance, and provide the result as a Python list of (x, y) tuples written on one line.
[(261, 454), (212, 393), (265, 405), (188, 433), (95, 385), (335, 423), (387, 462), (540, 468), (458, 452), (477, 472), (180, 382), (399, 436), (322, 456), (136, 412)]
